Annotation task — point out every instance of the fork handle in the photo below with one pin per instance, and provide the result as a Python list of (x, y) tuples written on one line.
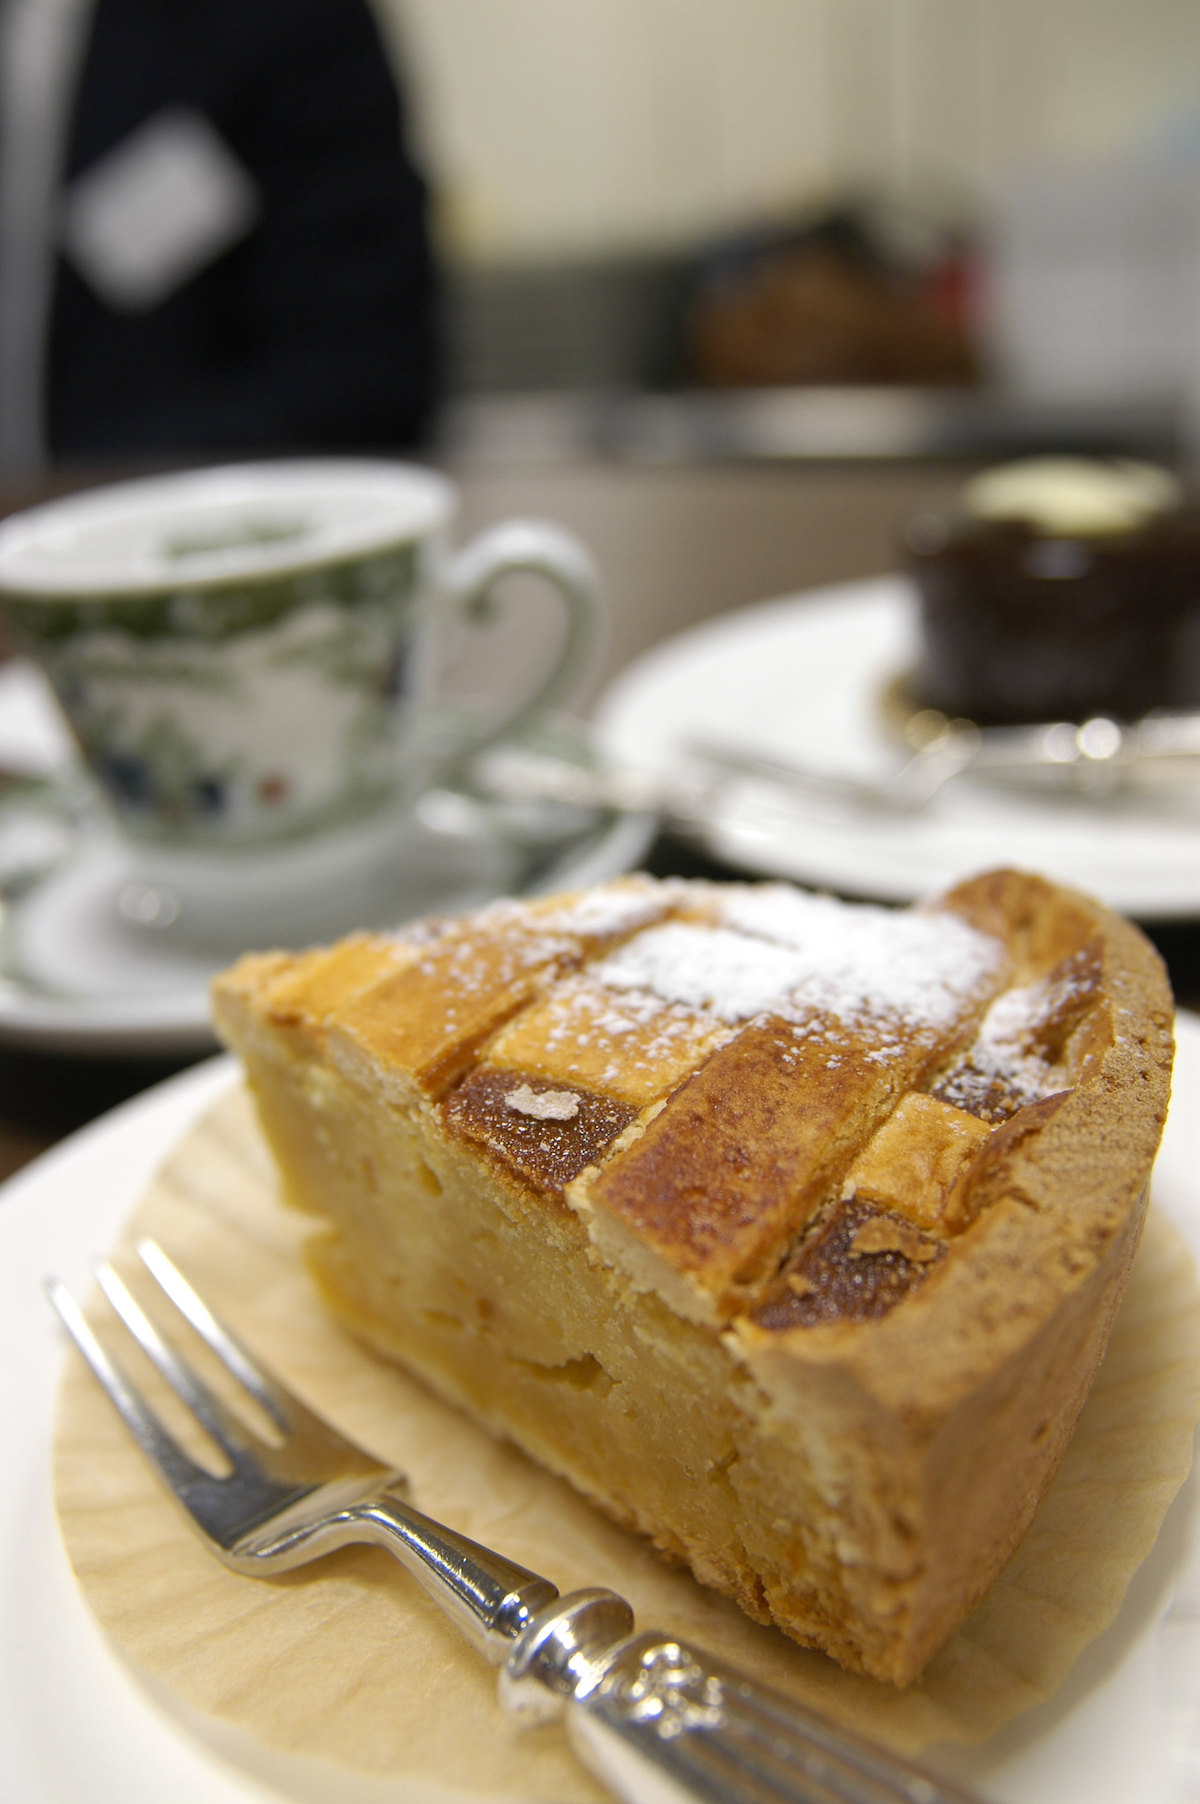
[(489, 1598), (661, 1722), (669, 1722)]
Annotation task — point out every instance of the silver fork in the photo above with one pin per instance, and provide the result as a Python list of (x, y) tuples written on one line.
[(660, 1722)]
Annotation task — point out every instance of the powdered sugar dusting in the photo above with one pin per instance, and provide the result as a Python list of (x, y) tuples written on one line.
[(1008, 1055), (705, 967), (605, 912), (1004, 1047), (617, 1033), (782, 950), (866, 963), (581, 1009)]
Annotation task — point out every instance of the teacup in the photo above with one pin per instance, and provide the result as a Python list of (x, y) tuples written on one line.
[(245, 656)]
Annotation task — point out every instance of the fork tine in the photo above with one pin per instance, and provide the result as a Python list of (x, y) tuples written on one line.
[(269, 1395), (294, 1419), (231, 1435), (161, 1448)]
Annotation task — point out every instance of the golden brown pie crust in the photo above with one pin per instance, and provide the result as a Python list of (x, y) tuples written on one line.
[(789, 1232)]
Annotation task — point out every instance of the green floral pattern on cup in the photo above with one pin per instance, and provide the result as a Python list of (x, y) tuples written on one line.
[(217, 611), (182, 701)]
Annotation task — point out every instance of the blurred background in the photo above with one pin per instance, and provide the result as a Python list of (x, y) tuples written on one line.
[(992, 199), (731, 288), (608, 172), (828, 254), (639, 232)]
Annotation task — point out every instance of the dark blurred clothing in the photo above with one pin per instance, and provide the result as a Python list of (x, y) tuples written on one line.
[(317, 329)]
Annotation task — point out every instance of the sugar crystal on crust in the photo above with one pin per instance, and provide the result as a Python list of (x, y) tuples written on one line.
[(542, 1105)]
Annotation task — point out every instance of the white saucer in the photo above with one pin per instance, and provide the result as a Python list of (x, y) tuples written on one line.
[(76, 978), (78, 1727), (802, 678)]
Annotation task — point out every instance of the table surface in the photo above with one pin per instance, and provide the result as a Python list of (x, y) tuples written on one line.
[(676, 544)]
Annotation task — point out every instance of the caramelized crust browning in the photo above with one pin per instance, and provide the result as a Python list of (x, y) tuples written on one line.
[(861, 1264), (732, 1169), (544, 1135)]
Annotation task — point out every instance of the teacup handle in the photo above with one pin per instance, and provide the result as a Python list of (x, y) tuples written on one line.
[(537, 549)]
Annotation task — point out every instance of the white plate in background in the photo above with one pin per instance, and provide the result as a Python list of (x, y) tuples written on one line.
[(803, 679)]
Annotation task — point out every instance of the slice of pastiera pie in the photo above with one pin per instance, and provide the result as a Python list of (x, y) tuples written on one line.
[(789, 1231)]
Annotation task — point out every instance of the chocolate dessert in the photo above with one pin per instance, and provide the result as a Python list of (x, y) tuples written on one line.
[(1061, 589)]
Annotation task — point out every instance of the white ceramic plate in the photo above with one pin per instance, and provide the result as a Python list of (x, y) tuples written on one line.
[(75, 978), (76, 1727), (803, 678)]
